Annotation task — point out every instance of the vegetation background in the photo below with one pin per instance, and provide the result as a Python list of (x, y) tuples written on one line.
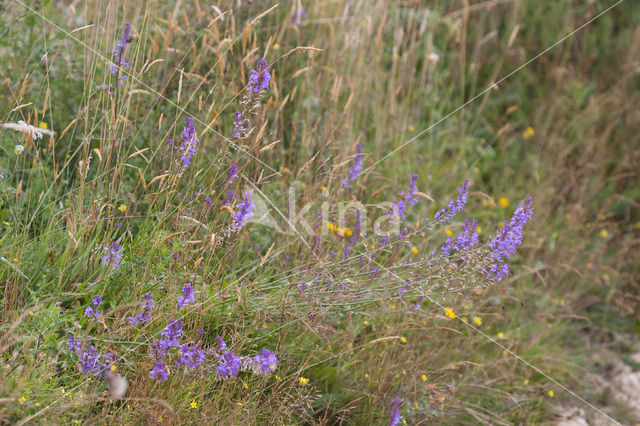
[(561, 124)]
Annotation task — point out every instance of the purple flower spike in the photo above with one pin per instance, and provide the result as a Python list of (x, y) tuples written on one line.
[(407, 198), (259, 77), (113, 258), (118, 53), (159, 371), (188, 296), (395, 411), (145, 316), (189, 141), (454, 207), (244, 211), (233, 173), (267, 360), (230, 365), (354, 172)]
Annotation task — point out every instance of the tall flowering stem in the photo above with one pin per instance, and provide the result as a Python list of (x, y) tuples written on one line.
[(508, 239), (354, 172), (407, 198), (189, 141), (258, 84), (118, 53)]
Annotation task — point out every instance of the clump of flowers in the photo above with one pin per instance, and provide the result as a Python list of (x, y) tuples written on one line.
[(112, 259), (145, 316), (407, 198), (233, 173), (454, 207), (189, 141), (92, 311), (508, 239), (267, 360), (118, 52), (259, 77), (244, 210), (90, 360), (395, 412), (354, 172), (188, 296), (229, 365)]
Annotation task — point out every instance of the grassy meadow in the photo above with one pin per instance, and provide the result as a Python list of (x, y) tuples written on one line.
[(302, 248)]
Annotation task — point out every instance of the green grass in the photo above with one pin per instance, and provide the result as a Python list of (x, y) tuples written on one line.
[(369, 80)]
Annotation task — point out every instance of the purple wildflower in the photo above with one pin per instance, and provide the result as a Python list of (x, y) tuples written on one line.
[(73, 344), (174, 255), (2, 175), (267, 360), (298, 16), (468, 237), (454, 207), (93, 311), (244, 211), (417, 305), (407, 198), (230, 365), (259, 77), (118, 52), (113, 258), (190, 356), (159, 371), (145, 316), (233, 173), (231, 197), (508, 238), (188, 296), (238, 131), (395, 411), (354, 172), (222, 345), (189, 141), (172, 332), (207, 200)]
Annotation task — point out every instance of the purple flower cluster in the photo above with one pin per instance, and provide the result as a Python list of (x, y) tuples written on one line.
[(468, 237), (189, 141), (171, 333), (395, 411), (233, 173), (267, 360), (188, 296), (90, 360), (454, 207), (191, 356), (145, 316), (244, 210), (118, 52), (238, 131), (354, 172), (259, 77), (93, 311), (507, 240), (407, 198), (229, 365), (298, 16), (113, 258)]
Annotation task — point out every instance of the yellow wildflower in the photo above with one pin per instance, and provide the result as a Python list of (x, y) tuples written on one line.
[(194, 404), (122, 207), (501, 335), (324, 188), (43, 125), (22, 400), (424, 377), (239, 404), (449, 312), (606, 277), (604, 233), (411, 128), (403, 339), (414, 249), (503, 202), (550, 393), (5, 222), (303, 380), (366, 376), (244, 385), (366, 323), (31, 313), (477, 320), (526, 382), (278, 377), (529, 132), (112, 368), (276, 46), (448, 232), (478, 229)]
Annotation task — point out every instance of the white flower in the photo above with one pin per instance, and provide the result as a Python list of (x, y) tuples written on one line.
[(433, 57), (18, 149), (21, 126)]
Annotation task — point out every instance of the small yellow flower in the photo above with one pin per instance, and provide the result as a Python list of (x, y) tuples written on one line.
[(550, 393), (604, 233), (403, 339), (366, 323), (112, 368), (448, 232), (22, 400), (194, 404), (478, 229), (415, 404), (366, 376), (503, 202), (526, 382), (529, 132), (606, 277), (477, 320), (324, 188), (449, 312), (276, 46), (31, 313), (414, 249), (122, 207), (372, 246), (76, 422), (393, 306), (411, 128), (6, 223), (404, 422), (303, 380), (278, 377), (424, 377), (239, 404), (589, 265), (329, 347), (501, 335), (244, 385), (43, 125)]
